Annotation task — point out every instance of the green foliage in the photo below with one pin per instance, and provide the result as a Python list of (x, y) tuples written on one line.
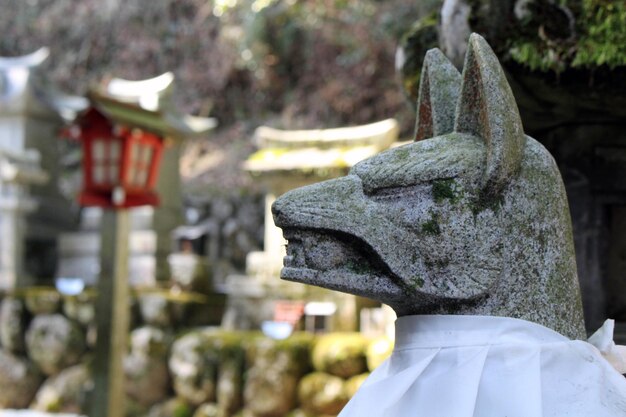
[(592, 34), (605, 40), (182, 410)]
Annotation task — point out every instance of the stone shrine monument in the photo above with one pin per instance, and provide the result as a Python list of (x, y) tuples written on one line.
[(32, 208), (466, 234), (286, 160), (145, 104)]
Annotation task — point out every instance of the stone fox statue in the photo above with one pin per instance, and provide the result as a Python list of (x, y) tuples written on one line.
[(471, 219)]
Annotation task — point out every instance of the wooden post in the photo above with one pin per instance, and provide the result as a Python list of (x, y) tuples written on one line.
[(112, 310)]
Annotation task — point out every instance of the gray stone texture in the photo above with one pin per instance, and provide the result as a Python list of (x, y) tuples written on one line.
[(439, 86), (66, 391), (272, 381), (80, 308), (145, 367), (19, 381), (155, 310), (193, 365), (471, 222), (321, 393), (53, 342), (12, 324)]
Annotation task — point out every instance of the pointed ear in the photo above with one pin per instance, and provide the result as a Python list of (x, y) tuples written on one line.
[(487, 109), (438, 94)]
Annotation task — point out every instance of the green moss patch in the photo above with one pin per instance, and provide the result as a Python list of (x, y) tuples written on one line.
[(444, 189), (431, 227)]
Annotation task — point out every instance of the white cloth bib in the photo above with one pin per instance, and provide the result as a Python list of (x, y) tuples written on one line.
[(480, 366)]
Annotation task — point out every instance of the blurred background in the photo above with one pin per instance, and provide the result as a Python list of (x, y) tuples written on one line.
[(252, 91)]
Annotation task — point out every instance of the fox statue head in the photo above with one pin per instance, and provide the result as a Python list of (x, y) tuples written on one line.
[(471, 218)]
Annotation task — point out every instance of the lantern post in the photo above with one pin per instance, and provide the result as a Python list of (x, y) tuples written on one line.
[(112, 306), (120, 167), (123, 135)]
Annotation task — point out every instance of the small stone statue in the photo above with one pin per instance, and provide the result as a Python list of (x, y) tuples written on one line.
[(466, 234)]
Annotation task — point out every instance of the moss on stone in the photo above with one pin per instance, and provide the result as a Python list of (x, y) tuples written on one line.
[(444, 189), (431, 227), (438, 263), (487, 201), (358, 268), (417, 282)]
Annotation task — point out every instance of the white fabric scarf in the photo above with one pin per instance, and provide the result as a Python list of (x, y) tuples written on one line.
[(479, 366)]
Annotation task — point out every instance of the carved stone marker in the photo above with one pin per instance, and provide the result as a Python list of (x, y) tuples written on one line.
[(470, 220)]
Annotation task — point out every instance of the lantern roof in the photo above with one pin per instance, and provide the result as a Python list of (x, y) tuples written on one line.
[(147, 104), (22, 93), (319, 150)]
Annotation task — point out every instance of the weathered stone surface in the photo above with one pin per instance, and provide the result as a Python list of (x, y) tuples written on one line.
[(472, 222), (207, 410), (341, 354), (174, 407), (19, 381), (145, 367), (155, 310), (65, 392), (438, 94), (189, 272), (229, 390), (53, 342), (269, 392), (193, 365), (289, 355), (147, 378), (271, 383), (322, 393), (12, 324)]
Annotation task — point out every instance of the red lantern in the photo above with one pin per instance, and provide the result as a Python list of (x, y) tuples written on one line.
[(120, 164)]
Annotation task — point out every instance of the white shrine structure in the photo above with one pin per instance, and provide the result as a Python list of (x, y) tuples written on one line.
[(32, 208)]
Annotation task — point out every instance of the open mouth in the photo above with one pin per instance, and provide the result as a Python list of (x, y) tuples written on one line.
[(316, 250), (337, 261)]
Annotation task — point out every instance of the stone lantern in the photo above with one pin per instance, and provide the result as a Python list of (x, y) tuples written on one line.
[(124, 133), (128, 128)]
